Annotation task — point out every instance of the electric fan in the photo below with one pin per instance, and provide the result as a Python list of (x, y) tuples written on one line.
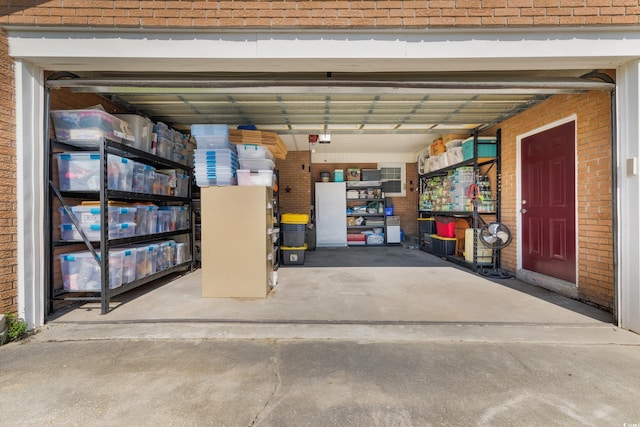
[(495, 236)]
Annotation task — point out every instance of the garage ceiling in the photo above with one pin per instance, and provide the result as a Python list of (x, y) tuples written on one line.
[(397, 112)]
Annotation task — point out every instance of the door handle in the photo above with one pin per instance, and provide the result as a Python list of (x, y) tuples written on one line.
[(523, 211)]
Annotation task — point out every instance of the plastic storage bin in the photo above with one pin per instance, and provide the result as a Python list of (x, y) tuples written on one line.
[(146, 260), (69, 232), (486, 147), (293, 255), (81, 272), (142, 178), (260, 177), (445, 227), (129, 264), (87, 128), (87, 215), (141, 128), (427, 225), (443, 245), (338, 175), (146, 219), (293, 234), (256, 164), (212, 142), (209, 130), (252, 151), (164, 148)]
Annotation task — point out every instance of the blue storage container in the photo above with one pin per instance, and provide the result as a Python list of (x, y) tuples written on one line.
[(486, 147)]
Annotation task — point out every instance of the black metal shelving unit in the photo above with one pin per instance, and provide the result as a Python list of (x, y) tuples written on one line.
[(476, 215), (104, 196), (366, 215)]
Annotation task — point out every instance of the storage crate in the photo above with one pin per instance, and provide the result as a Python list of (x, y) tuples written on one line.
[(219, 182), (253, 151), (293, 255), (87, 128), (427, 242), (142, 178), (209, 130), (375, 239), (182, 185), (256, 164), (182, 253), (163, 148), (338, 175), (81, 272), (141, 128), (353, 174), (427, 225), (443, 245), (145, 260), (146, 219), (260, 177), (69, 232), (211, 142), (486, 147), (445, 227), (166, 254), (87, 215), (293, 234), (370, 175), (164, 222), (81, 171), (129, 264)]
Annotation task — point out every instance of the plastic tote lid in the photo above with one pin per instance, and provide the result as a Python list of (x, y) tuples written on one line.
[(290, 218)]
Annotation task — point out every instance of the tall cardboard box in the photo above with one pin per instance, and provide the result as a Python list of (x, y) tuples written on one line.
[(237, 249)]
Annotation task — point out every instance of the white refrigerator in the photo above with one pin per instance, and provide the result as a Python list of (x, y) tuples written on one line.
[(331, 214)]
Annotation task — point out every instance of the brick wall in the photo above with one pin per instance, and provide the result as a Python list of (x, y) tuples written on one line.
[(8, 204), (295, 182), (320, 14), (594, 186)]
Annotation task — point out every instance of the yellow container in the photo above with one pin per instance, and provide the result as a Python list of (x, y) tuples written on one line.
[(291, 218)]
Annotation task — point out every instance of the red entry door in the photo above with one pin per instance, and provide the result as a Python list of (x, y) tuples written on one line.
[(548, 202)]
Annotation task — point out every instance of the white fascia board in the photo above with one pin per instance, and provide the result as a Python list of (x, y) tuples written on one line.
[(320, 157), (336, 51)]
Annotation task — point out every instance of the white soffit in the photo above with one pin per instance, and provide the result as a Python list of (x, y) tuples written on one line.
[(430, 50)]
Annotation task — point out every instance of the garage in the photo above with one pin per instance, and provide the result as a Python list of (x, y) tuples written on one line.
[(375, 116)]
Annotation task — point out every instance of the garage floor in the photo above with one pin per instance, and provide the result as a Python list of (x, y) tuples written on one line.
[(367, 286)]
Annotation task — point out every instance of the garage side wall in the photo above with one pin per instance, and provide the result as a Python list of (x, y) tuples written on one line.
[(593, 180), (317, 14), (8, 206)]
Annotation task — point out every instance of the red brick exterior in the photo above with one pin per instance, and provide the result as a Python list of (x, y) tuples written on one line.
[(321, 14), (594, 186), (8, 184)]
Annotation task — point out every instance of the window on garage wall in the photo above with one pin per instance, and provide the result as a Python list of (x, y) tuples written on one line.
[(393, 179)]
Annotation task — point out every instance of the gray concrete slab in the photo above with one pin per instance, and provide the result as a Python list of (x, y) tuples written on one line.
[(438, 292), (408, 345), (192, 382)]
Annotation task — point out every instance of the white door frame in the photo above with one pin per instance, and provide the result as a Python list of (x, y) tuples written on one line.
[(628, 195), (30, 191)]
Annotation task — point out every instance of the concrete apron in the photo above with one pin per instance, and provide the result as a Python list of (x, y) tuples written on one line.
[(441, 302)]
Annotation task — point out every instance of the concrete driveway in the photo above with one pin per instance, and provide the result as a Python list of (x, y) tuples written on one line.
[(349, 346)]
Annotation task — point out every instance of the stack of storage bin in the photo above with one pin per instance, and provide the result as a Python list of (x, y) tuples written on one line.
[(215, 159), (256, 165), (294, 228)]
